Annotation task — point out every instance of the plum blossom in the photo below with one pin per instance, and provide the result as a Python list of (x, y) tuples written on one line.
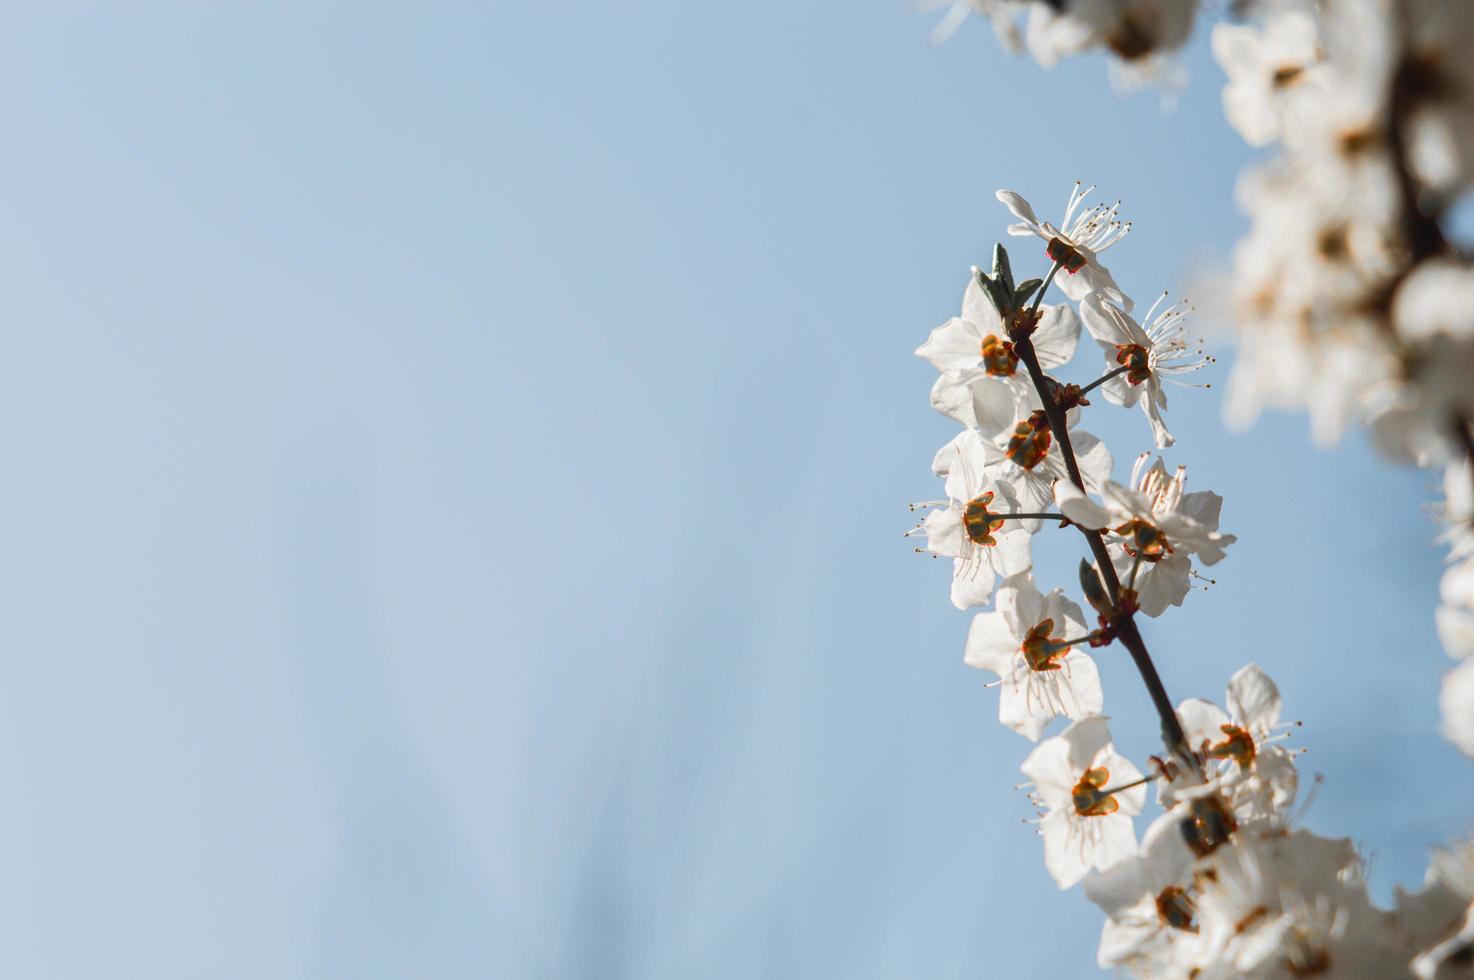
[(1253, 772), (1142, 34), (1076, 243), (1156, 525), (1089, 794), (1268, 68), (1014, 444), (1144, 358), (968, 528), (1286, 905), (1025, 641), (973, 352), (1148, 902)]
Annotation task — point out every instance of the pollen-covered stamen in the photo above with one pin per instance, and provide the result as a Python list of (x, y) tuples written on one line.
[(999, 360), (1171, 350), (979, 522), (1176, 909), (1238, 746), (1030, 441), (1096, 228), (1088, 797), (1136, 360), (1040, 651), (1065, 255), (1144, 541)]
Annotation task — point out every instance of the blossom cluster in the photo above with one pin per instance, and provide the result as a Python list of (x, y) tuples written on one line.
[(1350, 299), (1221, 882)]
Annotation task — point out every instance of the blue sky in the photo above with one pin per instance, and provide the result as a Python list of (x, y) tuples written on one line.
[(457, 462)]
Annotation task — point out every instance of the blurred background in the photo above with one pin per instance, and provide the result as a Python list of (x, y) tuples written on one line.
[(456, 461)]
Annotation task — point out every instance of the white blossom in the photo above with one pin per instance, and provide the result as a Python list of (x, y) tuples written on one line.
[(1156, 527), (1089, 793), (1268, 68), (1253, 772), (967, 528), (1076, 243), (1041, 676), (1147, 357)]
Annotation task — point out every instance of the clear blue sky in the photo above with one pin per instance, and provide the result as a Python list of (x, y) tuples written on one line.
[(456, 462)]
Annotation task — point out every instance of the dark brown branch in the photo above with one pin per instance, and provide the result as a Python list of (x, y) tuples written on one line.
[(1121, 620)]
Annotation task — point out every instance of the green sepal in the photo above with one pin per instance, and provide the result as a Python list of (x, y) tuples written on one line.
[(1025, 292)]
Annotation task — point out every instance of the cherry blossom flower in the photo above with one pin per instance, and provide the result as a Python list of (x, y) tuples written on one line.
[(1076, 243), (1148, 902), (1145, 357), (967, 527), (1026, 642), (1089, 793), (1014, 444), (1256, 775), (1268, 68), (974, 347), (1286, 905), (1157, 527), (1140, 33)]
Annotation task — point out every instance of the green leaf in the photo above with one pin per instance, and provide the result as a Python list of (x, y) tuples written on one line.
[(1001, 269), (1025, 292), (1001, 297)]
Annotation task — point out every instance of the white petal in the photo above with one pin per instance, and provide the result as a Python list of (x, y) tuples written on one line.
[(1075, 505), (1161, 585), (943, 528), (1093, 458), (1023, 606), (972, 583), (1086, 739), (1108, 325), (1012, 553), (1117, 840), (979, 310), (1056, 336), (1201, 720), (1015, 202), (953, 347), (1254, 700), (1151, 404), (991, 645)]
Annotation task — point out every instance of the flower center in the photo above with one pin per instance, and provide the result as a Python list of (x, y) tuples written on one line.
[(1176, 909), (1087, 796), (1238, 746), (1306, 960), (1136, 360), (1208, 825), (1041, 652), (1066, 254), (1286, 75), (979, 522), (998, 357), (1143, 540), (1030, 441)]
